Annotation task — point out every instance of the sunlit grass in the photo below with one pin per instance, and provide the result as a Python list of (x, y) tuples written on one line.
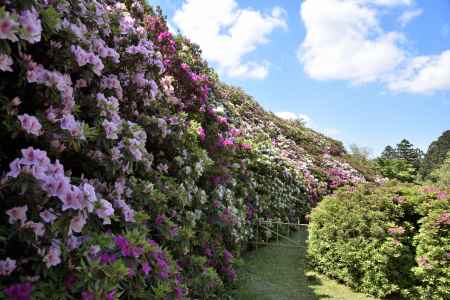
[(278, 273)]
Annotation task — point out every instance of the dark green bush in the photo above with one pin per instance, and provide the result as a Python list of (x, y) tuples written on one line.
[(385, 241)]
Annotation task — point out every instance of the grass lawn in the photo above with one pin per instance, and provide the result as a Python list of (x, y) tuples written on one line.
[(278, 273)]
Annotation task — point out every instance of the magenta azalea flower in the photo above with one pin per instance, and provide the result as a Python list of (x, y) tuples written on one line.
[(19, 291)]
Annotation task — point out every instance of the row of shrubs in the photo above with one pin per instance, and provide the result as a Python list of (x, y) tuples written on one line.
[(122, 174), (391, 240)]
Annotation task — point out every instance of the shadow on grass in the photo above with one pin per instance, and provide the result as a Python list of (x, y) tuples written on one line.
[(277, 273), (280, 273)]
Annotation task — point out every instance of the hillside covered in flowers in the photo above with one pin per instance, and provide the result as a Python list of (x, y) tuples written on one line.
[(128, 170)]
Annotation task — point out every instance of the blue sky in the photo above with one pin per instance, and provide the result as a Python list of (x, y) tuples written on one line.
[(370, 72)]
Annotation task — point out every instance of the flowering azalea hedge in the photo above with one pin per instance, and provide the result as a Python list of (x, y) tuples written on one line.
[(386, 241), (127, 170)]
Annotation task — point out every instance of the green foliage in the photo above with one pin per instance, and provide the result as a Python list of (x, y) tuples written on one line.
[(401, 162), (436, 154), (405, 150), (398, 169), (442, 174), (389, 153), (386, 241)]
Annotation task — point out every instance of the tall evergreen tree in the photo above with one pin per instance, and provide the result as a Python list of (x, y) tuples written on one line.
[(436, 154), (405, 150), (389, 153)]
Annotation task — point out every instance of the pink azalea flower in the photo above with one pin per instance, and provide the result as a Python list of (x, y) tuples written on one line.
[(18, 213), (72, 200), (69, 123), (32, 156), (134, 149), (111, 129), (128, 214), (105, 211), (246, 147), (5, 63), (89, 196), (201, 134), (77, 223), (47, 216), (140, 80), (227, 142), (30, 124), (15, 168), (126, 23), (396, 230), (74, 242), (32, 28), (84, 57), (8, 27), (53, 256), (442, 195), (163, 168), (38, 228), (7, 266)]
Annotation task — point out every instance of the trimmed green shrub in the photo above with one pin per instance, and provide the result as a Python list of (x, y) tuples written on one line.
[(385, 241)]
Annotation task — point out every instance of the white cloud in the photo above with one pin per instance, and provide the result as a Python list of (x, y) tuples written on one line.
[(249, 70), (389, 2), (226, 33), (306, 120), (287, 115), (423, 74), (344, 41), (409, 15)]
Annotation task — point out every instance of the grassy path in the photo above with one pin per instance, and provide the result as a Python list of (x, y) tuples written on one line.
[(278, 273)]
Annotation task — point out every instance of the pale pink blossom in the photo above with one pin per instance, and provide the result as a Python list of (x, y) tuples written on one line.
[(47, 216), (105, 211), (5, 63), (126, 23), (15, 168), (89, 196), (442, 195), (8, 27), (31, 25), (77, 223), (140, 80), (7, 266), (30, 124), (84, 57), (72, 199), (18, 213), (37, 228), (111, 129), (69, 123), (16, 101), (74, 242), (53, 256)]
